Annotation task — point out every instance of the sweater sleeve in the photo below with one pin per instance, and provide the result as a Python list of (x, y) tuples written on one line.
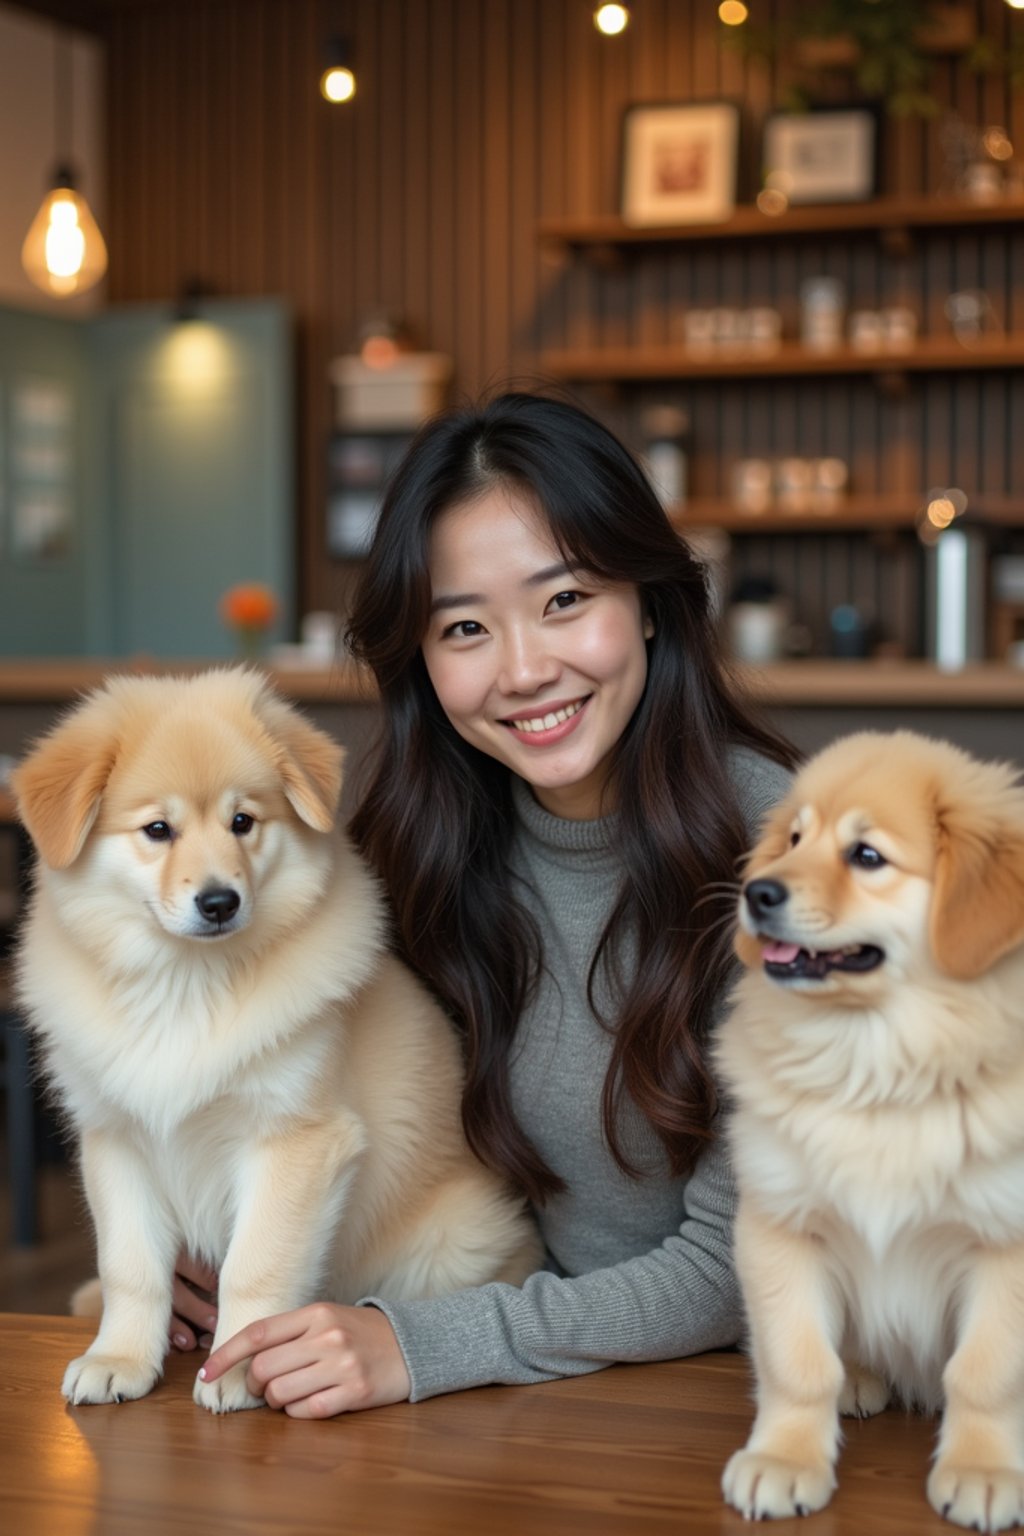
[(679, 1299)]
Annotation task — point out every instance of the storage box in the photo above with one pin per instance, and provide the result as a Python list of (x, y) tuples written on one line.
[(399, 396)]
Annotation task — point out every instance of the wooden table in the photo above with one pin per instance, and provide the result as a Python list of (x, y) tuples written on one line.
[(635, 1449)]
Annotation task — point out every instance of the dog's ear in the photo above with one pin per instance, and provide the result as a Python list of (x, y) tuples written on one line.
[(308, 760), (977, 912), (60, 784)]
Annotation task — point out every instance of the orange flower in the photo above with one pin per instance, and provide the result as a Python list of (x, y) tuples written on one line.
[(249, 606)]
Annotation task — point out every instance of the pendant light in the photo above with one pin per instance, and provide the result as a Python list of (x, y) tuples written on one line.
[(64, 252)]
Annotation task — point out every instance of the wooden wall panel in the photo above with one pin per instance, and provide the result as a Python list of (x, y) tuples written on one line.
[(474, 120)]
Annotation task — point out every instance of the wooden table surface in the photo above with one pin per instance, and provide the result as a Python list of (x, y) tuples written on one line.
[(631, 1449)]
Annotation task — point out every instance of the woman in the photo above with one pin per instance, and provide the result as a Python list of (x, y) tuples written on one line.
[(563, 786)]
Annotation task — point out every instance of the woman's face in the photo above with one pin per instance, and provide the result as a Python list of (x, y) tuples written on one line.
[(536, 664)]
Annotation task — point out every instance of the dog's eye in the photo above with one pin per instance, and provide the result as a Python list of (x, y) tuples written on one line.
[(241, 823), (158, 832), (865, 857)]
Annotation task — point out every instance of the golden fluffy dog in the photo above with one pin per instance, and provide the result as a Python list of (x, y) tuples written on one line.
[(248, 1072), (876, 1060)]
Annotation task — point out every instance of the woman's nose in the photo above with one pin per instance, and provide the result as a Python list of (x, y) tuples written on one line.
[(527, 663)]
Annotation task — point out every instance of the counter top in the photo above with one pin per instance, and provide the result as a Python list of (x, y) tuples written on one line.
[(983, 685)]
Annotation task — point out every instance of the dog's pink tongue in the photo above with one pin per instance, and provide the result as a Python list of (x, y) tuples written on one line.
[(779, 953)]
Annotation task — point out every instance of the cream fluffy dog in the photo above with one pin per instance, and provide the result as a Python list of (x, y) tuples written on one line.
[(248, 1072), (876, 1059)]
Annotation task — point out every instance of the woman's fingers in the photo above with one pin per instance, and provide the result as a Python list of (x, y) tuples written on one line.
[(191, 1309), (264, 1335)]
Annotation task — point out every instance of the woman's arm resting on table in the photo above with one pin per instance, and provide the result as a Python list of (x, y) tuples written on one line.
[(318, 1361), (680, 1299)]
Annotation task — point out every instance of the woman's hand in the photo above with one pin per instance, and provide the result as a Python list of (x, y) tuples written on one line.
[(193, 1303), (318, 1361)]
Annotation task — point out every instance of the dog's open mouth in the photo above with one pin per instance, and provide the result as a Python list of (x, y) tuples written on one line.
[(789, 962)]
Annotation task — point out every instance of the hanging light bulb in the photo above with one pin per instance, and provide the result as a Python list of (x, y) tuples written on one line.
[(64, 252), (338, 81), (611, 19)]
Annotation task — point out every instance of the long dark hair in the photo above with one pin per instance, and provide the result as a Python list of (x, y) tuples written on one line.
[(437, 820)]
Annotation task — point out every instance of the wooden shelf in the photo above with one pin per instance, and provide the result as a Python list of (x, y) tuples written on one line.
[(853, 514), (879, 684), (884, 216), (930, 354)]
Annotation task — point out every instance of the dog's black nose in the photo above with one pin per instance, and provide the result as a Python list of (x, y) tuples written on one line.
[(763, 896), (218, 903)]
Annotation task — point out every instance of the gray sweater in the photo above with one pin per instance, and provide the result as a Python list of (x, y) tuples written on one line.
[(637, 1269)]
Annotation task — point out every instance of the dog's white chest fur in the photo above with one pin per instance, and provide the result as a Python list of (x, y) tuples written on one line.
[(901, 1180)]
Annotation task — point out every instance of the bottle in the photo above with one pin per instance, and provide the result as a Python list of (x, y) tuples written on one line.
[(666, 429)]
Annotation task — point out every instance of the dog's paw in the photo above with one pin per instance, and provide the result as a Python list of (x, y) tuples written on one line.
[(769, 1488), (983, 1498), (227, 1394), (108, 1379), (863, 1393)]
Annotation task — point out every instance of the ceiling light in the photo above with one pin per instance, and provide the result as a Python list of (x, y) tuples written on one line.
[(64, 252), (611, 19)]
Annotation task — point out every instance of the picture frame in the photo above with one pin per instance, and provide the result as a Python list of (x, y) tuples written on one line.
[(824, 155), (679, 162)]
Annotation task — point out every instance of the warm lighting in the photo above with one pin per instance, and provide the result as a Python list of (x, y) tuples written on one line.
[(337, 84), (995, 140), (733, 13), (940, 512), (338, 81), (196, 360), (1015, 5), (64, 252), (611, 19)]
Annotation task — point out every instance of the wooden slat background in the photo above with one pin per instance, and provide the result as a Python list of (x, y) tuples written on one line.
[(474, 120)]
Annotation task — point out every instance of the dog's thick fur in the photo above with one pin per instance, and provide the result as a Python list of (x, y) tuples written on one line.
[(875, 1057), (248, 1072)]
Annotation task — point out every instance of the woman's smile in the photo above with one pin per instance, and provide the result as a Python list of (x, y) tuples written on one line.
[(553, 725)]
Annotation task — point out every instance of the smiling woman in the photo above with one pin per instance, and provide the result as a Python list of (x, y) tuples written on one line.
[(563, 791)]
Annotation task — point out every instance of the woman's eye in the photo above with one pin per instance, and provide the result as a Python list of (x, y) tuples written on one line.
[(866, 857), (241, 823), (463, 629), (564, 600), (158, 831)]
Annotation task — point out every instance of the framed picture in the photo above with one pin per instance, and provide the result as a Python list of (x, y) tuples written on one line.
[(679, 163), (828, 155)]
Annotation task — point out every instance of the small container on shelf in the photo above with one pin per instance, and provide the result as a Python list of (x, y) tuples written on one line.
[(757, 619), (752, 485), (822, 301), (899, 327), (865, 330), (794, 485), (764, 329), (830, 479), (666, 430)]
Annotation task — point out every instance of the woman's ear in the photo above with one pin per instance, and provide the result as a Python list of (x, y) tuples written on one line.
[(60, 784)]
